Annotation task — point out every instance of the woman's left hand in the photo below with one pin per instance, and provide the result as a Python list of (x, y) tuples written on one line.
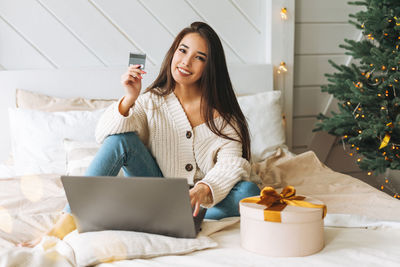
[(199, 195)]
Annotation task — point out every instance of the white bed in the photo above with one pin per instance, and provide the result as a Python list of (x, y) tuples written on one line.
[(362, 226)]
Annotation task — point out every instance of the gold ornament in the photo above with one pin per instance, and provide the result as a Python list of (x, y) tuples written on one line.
[(385, 141)]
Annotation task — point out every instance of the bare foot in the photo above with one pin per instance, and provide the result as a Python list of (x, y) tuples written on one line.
[(30, 244), (63, 226)]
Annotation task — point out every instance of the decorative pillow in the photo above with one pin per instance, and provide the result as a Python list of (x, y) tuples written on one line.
[(37, 137), (30, 100), (79, 156), (98, 247), (264, 116)]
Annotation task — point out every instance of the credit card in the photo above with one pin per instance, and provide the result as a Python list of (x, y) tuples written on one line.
[(137, 59)]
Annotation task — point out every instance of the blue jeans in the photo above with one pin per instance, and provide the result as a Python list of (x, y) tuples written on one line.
[(127, 151)]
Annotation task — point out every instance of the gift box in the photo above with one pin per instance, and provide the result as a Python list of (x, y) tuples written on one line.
[(282, 225)]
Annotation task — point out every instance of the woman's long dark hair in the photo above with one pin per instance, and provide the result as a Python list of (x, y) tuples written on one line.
[(215, 84)]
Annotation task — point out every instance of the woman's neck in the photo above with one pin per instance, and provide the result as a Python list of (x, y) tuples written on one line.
[(187, 94)]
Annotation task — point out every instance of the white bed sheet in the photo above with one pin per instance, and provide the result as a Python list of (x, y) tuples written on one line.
[(344, 247), (355, 238)]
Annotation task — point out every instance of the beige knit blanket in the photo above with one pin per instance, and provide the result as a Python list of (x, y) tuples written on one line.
[(340, 192)]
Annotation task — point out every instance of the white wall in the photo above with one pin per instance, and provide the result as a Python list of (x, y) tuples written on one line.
[(321, 25), (58, 34)]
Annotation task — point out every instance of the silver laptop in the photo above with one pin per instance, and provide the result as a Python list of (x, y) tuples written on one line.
[(144, 204)]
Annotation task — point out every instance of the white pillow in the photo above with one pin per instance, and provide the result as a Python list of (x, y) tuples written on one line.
[(37, 137), (263, 113), (97, 247), (80, 155)]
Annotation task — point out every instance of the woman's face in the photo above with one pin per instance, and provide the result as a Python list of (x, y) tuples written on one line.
[(189, 59)]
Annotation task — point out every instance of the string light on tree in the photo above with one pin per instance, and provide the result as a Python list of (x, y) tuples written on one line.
[(368, 118)]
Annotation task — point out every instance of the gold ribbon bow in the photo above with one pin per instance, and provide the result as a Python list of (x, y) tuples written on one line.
[(275, 202)]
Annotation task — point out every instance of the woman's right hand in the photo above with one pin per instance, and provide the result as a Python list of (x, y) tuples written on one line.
[(132, 81)]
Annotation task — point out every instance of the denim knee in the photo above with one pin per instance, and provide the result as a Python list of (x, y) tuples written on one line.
[(127, 151), (248, 188), (124, 139), (230, 205)]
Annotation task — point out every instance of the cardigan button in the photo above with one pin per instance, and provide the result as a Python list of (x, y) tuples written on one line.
[(188, 134), (189, 167)]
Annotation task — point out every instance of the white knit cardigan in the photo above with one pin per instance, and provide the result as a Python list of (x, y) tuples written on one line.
[(162, 125)]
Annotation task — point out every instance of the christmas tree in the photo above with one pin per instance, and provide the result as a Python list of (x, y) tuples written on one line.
[(368, 91)]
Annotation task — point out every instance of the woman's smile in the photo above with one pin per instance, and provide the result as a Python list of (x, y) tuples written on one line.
[(184, 72)]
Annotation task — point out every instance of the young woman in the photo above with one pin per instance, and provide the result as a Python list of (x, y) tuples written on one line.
[(188, 123)]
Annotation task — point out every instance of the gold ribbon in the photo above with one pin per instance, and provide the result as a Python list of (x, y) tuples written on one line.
[(275, 202)]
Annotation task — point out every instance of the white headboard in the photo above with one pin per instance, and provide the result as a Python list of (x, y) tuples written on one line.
[(80, 48)]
